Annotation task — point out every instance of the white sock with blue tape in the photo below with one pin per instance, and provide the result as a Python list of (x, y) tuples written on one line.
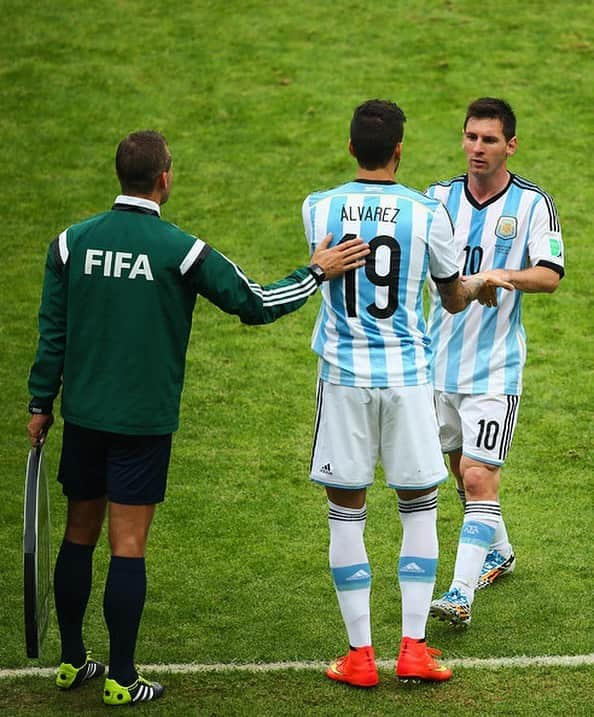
[(478, 530), (350, 570), (417, 566)]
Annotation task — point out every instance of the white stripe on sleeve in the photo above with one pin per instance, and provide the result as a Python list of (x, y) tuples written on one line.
[(191, 256)]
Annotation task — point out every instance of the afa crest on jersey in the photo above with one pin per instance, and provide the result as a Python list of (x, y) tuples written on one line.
[(506, 228)]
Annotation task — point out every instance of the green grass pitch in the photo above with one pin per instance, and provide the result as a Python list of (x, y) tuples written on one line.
[(255, 99)]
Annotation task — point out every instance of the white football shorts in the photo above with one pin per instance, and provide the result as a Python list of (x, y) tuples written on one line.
[(357, 427), (482, 425)]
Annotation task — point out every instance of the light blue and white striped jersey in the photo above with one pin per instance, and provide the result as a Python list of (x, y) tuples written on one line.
[(370, 330), (483, 350)]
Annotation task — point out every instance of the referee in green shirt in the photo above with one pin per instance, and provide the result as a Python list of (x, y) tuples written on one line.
[(116, 312)]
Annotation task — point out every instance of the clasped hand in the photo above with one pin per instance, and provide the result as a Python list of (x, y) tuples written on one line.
[(493, 280)]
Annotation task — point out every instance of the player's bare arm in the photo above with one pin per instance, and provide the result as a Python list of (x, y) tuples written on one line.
[(340, 258), (532, 280), (457, 294)]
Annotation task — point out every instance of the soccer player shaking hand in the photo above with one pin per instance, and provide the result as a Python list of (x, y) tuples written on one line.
[(507, 226), (375, 399)]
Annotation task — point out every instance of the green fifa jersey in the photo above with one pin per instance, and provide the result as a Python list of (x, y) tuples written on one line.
[(116, 312)]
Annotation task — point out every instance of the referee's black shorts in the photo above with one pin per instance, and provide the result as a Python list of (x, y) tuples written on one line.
[(127, 469)]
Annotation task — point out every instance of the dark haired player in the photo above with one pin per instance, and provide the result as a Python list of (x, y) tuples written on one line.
[(508, 225), (375, 400)]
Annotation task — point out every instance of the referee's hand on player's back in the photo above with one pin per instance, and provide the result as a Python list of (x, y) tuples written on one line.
[(340, 258)]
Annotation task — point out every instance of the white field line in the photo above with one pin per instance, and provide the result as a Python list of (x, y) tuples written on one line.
[(490, 663)]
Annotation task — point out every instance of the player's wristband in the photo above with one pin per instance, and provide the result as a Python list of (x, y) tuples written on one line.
[(317, 272), (40, 406)]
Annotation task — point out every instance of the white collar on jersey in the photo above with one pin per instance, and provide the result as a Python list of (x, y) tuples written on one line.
[(138, 202)]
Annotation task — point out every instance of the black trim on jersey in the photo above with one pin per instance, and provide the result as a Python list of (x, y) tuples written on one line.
[(554, 225), (448, 215), (555, 267), (204, 252), (55, 247), (134, 208), (375, 181), (479, 205), (445, 280), (319, 398), (447, 182), (522, 183)]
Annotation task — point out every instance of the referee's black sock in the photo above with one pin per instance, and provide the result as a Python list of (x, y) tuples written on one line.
[(123, 602), (73, 576)]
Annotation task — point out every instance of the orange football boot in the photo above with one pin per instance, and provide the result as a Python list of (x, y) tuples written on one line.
[(357, 668), (416, 661)]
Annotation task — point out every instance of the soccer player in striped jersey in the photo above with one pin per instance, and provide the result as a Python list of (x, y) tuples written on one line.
[(375, 400), (506, 224), (116, 312)]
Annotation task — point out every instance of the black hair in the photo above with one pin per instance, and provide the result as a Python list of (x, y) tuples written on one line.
[(493, 108), (376, 128), (140, 158)]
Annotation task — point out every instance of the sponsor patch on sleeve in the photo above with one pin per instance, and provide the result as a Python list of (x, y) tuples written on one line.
[(556, 246)]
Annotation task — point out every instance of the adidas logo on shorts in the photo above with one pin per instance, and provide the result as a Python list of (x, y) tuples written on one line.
[(326, 469)]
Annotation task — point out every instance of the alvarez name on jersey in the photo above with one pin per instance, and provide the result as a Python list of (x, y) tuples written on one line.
[(370, 330), (482, 350)]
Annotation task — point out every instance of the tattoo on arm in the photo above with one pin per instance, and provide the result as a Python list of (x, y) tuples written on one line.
[(456, 295)]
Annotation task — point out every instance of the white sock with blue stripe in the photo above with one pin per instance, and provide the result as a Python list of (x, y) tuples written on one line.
[(501, 540), (478, 530), (350, 570), (417, 566)]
